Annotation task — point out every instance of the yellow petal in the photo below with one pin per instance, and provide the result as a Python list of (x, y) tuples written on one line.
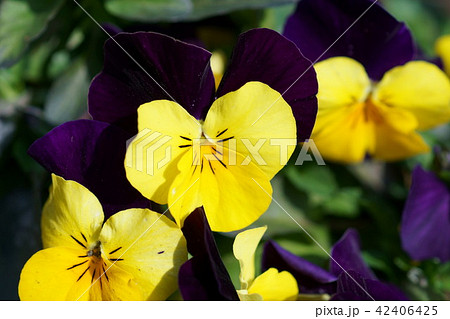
[(244, 249), (342, 131), (115, 285), (105, 281), (346, 136), (418, 87), (165, 128), (275, 286), (442, 49), (394, 145), (46, 276), (72, 215), (152, 248), (260, 122), (217, 62), (343, 82), (233, 196), (184, 196), (245, 296)]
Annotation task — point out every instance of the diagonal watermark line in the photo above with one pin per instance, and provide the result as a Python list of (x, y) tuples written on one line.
[(314, 240), (134, 242), (315, 61), (125, 51)]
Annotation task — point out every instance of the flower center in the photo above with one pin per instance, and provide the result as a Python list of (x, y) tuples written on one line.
[(92, 264), (95, 252), (208, 151)]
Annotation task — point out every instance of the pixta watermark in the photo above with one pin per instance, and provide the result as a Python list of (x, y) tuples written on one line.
[(149, 151)]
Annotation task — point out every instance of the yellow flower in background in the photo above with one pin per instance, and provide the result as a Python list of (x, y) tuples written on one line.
[(134, 255), (217, 62), (442, 48), (270, 285), (224, 164), (358, 117)]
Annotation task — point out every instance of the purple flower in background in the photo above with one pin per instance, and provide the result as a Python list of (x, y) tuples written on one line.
[(425, 230), (373, 99), (357, 282), (377, 40)]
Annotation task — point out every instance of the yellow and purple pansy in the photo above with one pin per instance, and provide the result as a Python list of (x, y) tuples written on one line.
[(168, 88), (134, 255), (373, 99)]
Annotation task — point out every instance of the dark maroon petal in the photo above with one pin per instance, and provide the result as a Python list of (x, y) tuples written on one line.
[(264, 55), (310, 278), (352, 286), (426, 218), (377, 39), (91, 153), (346, 255), (180, 71), (204, 276)]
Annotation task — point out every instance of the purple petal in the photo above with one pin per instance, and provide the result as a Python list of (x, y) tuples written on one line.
[(352, 286), (91, 153), (426, 218), (346, 255), (173, 70), (310, 278), (204, 276), (264, 55), (377, 39), (111, 29)]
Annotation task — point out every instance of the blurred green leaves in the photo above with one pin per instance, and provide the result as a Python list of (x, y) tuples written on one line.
[(181, 10), (67, 97), (323, 190), (149, 11), (21, 22)]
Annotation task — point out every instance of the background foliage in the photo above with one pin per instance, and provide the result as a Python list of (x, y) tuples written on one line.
[(49, 52)]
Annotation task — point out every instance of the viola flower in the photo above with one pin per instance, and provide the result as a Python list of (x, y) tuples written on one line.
[(204, 276), (426, 218), (134, 255), (373, 99), (178, 113), (271, 284), (442, 48), (348, 277)]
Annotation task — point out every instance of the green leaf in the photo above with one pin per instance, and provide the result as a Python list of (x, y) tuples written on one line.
[(149, 11), (313, 179), (275, 18), (7, 128), (344, 203), (67, 97), (21, 21), (177, 10)]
